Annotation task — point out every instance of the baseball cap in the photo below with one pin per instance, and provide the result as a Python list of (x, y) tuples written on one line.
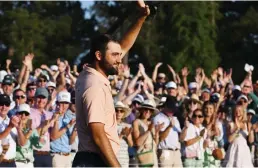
[(2, 75), (139, 98), (64, 96), (161, 75), (242, 97), (8, 80), (192, 85), (23, 107), (54, 67), (251, 111), (51, 84), (171, 85), (206, 90), (237, 87), (5, 99), (41, 92)]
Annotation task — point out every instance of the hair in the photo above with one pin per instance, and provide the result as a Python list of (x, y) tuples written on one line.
[(17, 90), (99, 43), (244, 116)]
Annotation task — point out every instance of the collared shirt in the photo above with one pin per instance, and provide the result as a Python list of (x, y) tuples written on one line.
[(25, 153), (62, 144), (94, 103), (37, 119), (11, 139), (172, 140)]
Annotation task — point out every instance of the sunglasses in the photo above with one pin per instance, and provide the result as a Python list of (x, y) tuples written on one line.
[(5, 104), (247, 86), (120, 111), (63, 103), (199, 116), (41, 80), (50, 90), (29, 89), (24, 112), (20, 97)]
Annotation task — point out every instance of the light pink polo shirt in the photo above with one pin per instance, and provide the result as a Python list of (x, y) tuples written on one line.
[(36, 121), (94, 103)]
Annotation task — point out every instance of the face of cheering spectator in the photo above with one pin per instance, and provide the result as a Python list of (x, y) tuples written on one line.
[(20, 97), (209, 110), (31, 91), (8, 89), (24, 115), (247, 88), (62, 107), (249, 117), (146, 113), (172, 92), (111, 59), (193, 105), (221, 115), (197, 117), (161, 79), (238, 113), (50, 89), (61, 66), (41, 102), (193, 91), (4, 108), (243, 102), (42, 82), (119, 113), (205, 96)]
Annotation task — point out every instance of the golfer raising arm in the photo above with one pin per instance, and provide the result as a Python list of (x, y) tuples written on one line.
[(95, 117)]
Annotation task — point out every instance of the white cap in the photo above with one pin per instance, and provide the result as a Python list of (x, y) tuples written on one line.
[(139, 98), (51, 84), (161, 75), (242, 97), (171, 85), (193, 85), (2, 75), (54, 67), (23, 107), (206, 90), (251, 111), (237, 87), (64, 96)]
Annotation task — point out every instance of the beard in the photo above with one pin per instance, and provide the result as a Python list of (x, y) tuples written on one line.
[(108, 68)]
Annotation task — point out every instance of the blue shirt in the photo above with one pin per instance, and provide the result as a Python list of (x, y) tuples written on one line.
[(62, 144)]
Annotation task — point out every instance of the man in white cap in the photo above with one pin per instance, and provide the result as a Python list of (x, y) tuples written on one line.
[(171, 88), (61, 133)]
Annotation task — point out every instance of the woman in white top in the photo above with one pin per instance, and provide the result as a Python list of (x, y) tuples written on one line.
[(145, 136), (238, 153), (193, 136), (124, 132)]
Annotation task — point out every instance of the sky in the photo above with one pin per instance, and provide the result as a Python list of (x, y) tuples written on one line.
[(86, 4)]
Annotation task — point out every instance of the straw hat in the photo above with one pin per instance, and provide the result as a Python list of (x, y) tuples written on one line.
[(149, 104), (126, 109), (195, 98)]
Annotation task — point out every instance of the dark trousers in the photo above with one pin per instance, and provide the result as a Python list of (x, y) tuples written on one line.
[(88, 159), (12, 164), (43, 160)]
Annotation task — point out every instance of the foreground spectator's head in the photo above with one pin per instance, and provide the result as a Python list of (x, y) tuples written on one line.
[(147, 109), (5, 102), (170, 107), (63, 101), (8, 85), (42, 81), (41, 96), (171, 89), (105, 53), (161, 78), (197, 117), (122, 111), (205, 96), (19, 97)]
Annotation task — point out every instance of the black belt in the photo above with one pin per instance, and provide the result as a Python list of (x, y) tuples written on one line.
[(170, 149), (73, 151)]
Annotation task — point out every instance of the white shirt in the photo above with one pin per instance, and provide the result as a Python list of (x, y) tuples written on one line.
[(193, 132), (11, 138), (172, 140)]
